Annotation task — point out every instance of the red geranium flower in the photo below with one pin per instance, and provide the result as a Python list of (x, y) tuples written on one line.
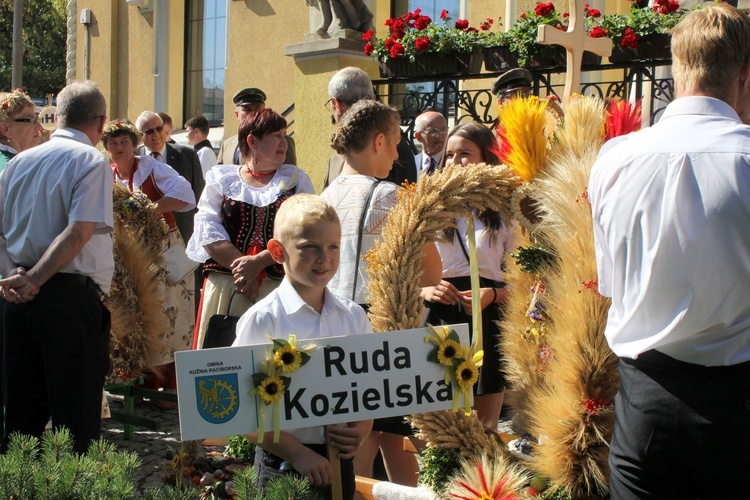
[(422, 42), (523, 16), (471, 30), (389, 43), (398, 28), (629, 39), (367, 35), (396, 50), (595, 13), (369, 48), (566, 14), (422, 22), (544, 9), (444, 14), (597, 32), (487, 24), (462, 24), (666, 6)]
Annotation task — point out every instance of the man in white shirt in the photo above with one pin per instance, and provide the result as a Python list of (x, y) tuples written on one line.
[(197, 129), (430, 130), (671, 211), (56, 248)]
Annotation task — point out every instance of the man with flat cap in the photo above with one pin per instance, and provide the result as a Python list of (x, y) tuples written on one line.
[(512, 83), (246, 101)]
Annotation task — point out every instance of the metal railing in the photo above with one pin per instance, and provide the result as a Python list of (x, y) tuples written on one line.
[(459, 104)]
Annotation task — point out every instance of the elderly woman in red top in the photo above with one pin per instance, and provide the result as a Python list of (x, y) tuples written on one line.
[(171, 193)]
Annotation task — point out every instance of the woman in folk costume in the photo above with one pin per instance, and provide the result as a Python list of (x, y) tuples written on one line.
[(450, 301), (170, 192), (235, 220)]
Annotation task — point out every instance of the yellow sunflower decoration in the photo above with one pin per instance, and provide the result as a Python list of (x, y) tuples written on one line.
[(461, 363), (286, 358)]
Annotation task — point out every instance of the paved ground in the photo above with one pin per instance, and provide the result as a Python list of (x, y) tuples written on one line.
[(150, 445)]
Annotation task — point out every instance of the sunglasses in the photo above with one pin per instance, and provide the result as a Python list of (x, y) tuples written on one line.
[(26, 120), (155, 129)]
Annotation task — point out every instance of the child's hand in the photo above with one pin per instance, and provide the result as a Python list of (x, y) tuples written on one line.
[(348, 437), (314, 467)]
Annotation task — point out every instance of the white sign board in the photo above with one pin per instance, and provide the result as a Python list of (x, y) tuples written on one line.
[(47, 118), (347, 379)]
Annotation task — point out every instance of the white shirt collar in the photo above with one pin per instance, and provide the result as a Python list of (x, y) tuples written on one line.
[(71, 133), (292, 302), (700, 105)]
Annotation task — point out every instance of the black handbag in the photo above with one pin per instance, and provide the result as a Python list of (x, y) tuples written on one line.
[(222, 329)]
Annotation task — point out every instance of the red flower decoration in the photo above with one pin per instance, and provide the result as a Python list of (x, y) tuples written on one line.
[(19, 90), (422, 42), (595, 13), (523, 16), (629, 39), (367, 35), (666, 6), (566, 14), (444, 14), (487, 24), (398, 28), (462, 24), (369, 48), (389, 43), (544, 9), (396, 50), (597, 32), (5, 105), (471, 30), (422, 22)]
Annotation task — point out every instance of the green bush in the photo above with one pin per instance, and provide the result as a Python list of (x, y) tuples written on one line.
[(50, 469)]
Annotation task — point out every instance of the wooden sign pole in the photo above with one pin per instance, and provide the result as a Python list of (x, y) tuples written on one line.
[(333, 458), (576, 41)]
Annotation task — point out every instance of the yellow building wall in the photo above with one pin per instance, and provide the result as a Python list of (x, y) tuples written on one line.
[(258, 31)]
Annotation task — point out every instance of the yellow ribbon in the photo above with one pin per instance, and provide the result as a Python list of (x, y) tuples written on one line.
[(476, 302)]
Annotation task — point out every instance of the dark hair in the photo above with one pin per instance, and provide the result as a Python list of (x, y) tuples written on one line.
[(165, 118), (120, 128), (199, 122), (480, 135), (363, 121), (258, 124), (483, 137)]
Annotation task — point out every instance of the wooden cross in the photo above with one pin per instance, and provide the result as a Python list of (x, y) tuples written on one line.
[(576, 41)]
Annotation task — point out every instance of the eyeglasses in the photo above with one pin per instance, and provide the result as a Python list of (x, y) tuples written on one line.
[(155, 129), (329, 105), (27, 120), (434, 132)]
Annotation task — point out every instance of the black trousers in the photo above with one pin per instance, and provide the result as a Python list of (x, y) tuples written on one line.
[(681, 430), (55, 359)]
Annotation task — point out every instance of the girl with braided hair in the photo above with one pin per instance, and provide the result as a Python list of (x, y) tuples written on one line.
[(367, 136)]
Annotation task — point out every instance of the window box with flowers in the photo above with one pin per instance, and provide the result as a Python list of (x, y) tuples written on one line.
[(519, 46), (416, 46), (643, 33)]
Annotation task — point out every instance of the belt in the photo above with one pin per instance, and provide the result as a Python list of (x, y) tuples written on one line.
[(72, 279)]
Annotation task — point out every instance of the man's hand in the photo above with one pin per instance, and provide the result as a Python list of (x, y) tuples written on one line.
[(18, 287)]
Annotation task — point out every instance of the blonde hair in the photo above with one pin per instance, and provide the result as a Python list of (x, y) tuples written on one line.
[(12, 103), (300, 211), (709, 48), (363, 121)]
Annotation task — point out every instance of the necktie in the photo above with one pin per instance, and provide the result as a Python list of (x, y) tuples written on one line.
[(430, 165), (155, 155), (236, 157)]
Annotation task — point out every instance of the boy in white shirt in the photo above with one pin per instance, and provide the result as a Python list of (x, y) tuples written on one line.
[(307, 235)]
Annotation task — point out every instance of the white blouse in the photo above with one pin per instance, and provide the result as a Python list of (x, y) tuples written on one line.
[(490, 253), (225, 180), (167, 180), (347, 195)]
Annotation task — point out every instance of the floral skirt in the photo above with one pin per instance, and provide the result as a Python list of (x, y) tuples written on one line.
[(217, 291), (179, 309)]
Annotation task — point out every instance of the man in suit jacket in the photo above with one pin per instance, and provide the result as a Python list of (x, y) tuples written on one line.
[(346, 87), (247, 101), (181, 158), (431, 131)]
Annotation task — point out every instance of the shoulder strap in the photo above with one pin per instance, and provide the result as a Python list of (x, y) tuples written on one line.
[(463, 247), (362, 216)]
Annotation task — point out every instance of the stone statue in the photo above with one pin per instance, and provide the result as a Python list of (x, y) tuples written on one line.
[(351, 15)]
